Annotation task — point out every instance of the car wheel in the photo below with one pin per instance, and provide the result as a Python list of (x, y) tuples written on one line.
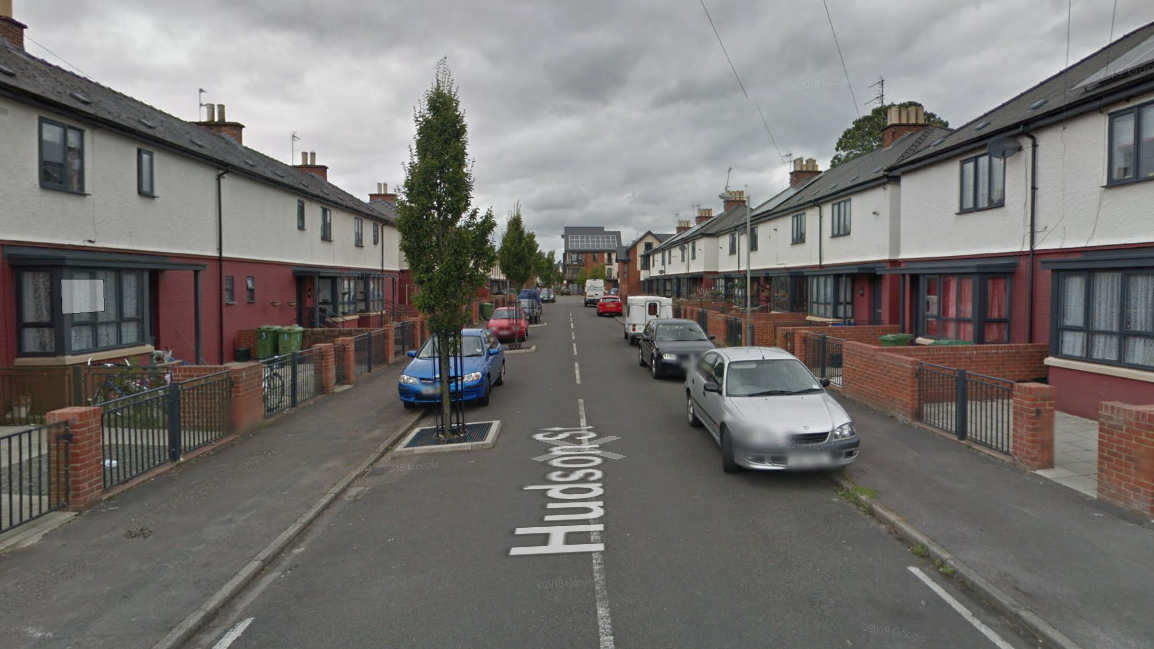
[(484, 400), (728, 463), (640, 357), (690, 412), (654, 366), (501, 378), (409, 405)]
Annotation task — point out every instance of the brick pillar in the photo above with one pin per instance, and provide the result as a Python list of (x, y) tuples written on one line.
[(349, 358), (717, 327), (84, 459), (1033, 425), (328, 367), (247, 395), (390, 344), (1126, 456)]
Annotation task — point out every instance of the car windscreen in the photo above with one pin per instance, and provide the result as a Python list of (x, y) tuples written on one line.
[(470, 346), (768, 377), (680, 332), (505, 314)]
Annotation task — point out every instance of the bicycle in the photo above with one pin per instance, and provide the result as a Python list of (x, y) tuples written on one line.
[(121, 384), (273, 388)]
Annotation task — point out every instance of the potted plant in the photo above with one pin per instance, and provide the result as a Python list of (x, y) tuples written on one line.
[(275, 303)]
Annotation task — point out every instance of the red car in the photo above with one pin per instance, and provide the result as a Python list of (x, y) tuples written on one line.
[(609, 305), (509, 323)]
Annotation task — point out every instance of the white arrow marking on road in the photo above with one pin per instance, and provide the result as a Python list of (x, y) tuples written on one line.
[(232, 635), (604, 621), (965, 612), (577, 371)]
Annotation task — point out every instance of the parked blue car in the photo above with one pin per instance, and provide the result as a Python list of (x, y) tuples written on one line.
[(484, 368)]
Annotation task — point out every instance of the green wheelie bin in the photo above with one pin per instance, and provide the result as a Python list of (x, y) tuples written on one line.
[(486, 310), (266, 341), (289, 340), (896, 340)]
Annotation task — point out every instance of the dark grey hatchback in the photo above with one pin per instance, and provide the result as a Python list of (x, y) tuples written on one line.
[(670, 345)]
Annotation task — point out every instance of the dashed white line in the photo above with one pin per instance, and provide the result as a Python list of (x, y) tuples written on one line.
[(577, 371), (574, 334), (232, 635), (604, 620), (962, 610), (574, 349)]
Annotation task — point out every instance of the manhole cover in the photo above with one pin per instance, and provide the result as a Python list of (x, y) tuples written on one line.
[(479, 435)]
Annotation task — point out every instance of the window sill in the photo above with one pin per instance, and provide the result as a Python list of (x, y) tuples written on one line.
[(326, 240), (230, 302), (103, 355), (797, 243), (1098, 368), (144, 195), (1128, 181), (63, 190), (980, 209), (835, 236)]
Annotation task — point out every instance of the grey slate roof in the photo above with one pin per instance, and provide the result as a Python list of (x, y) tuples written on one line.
[(1060, 93), (611, 239), (29, 79), (622, 254), (733, 217)]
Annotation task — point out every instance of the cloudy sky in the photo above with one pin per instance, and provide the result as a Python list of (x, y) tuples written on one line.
[(595, 112)]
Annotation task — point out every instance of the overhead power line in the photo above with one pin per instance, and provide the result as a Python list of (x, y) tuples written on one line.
[(848, 81), (27, 37)]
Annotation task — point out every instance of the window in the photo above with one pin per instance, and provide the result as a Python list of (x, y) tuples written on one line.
[(645, 257), (840, 213), (798, 228), (145, 179), (359, 232), (45, 329), (682, 253), (831, 296), (966, 307), (326, 224), (1132, 144), (300, 214), (753, 238), (229, 290), (652, 309), (250, 289), (693, 250), (609, 258), (648, 246), (1106, 317), (376, 233), (983, 183), (788, 294), (595, 258), (61, 157), (733, 243)]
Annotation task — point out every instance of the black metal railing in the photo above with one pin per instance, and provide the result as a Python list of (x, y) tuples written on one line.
[(277, 384), (734, 332), (703, 320), (378, 350), (205, 410), (339, 350), (967, 405), (362, 354), (137, 433), (33, 473), (823, 357), (307, 381), (404, 337)]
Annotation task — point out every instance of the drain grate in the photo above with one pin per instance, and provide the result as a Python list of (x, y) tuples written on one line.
[(476, 432)]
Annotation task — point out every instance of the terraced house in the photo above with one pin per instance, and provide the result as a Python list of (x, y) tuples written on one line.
[(194, 235)]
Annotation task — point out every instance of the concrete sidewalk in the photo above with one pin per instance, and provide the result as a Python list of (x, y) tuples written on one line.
[(1082, 566), (131, 569)]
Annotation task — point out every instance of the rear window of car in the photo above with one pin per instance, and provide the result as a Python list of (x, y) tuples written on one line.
[(506, 314), (608, 298)]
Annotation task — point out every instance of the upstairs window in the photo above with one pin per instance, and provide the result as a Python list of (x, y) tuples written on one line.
[(1132, 145), (753, 238), (733, 243), (693, 250), (145, 179), (840, 216), (300, 214), (326, 224), (359, 232), (682, 253), (376, 233), (798, 228), (61, 157), (229, 290), (983, 183)]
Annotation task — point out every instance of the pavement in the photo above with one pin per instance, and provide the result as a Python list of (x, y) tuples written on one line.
[(127, 572), (1081, 565), (427, 550)]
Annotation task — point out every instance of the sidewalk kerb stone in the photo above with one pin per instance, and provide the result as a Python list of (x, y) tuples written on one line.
[(489, 442), (994, 595), (32, 531), (525, 350), (236, 585)]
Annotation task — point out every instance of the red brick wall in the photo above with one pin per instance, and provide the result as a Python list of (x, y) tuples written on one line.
[(1126, 456), (85, 455), (1033, 425), (885, 381), (1011, 362), (247, 395), (1083, 391), (867, 334)]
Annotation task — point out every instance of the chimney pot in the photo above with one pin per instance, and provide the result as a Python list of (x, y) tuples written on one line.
[(220, 113), (10, 28), (210, 110), (304, 158), (312, 158), (6, 8)]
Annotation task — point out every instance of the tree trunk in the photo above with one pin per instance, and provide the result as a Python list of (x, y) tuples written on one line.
[(446, 385)]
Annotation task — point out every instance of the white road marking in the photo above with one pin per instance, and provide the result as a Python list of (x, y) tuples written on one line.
[(574, 334), (232, 635), (577, 371), (604, 620), (574, 349), (962, 610)]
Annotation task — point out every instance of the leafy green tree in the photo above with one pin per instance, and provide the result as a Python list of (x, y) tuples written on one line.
[(865, 134), (598, 272), (518, 253), (445, 240)]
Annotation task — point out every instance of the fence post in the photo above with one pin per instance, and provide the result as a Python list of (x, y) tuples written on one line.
[(369, 353), (1033, 425), (84, 454), (961, 405), (390, 344), (349, 358), (328, 368), (175, 445), (293, 361), (821, 354)]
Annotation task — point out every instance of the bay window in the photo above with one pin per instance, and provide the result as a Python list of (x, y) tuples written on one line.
[(45, 329), (1106, 317), (831, 296)]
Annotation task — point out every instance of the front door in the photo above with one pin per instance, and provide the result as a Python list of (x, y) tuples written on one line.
[(876, 300)]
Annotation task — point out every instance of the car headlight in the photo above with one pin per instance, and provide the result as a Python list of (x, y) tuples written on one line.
[(843, 431), (472, 376), (669, 357), (409, 380)]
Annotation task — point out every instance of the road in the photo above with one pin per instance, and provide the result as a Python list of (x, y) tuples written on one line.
[(423, 555)]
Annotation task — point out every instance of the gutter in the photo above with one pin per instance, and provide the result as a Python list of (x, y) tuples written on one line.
[(1033, 231), (820, 237), (220, 252)]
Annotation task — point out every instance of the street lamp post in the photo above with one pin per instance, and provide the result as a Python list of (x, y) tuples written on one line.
[(748, 272)]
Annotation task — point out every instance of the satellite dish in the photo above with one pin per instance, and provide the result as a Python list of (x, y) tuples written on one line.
[(1003, 147)]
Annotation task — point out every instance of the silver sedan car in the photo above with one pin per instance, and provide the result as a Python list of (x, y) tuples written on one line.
[(767, 411)]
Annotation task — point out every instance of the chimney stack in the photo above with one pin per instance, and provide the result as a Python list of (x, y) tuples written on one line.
[(732, 198), (309, 165), (803, 170), (683, 225), (704, 214), (10, 28), (383, 194), (216, 122), (901, 120)]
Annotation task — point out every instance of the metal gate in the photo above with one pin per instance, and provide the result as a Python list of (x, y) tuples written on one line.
[(703, 320), (970, 406), (33, 473), (823, 357), (734, 332)]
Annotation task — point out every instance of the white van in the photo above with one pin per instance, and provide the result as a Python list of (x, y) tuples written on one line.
[(640, 309), (594, 289)]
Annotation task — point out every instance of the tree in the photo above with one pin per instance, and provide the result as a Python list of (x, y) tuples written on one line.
[(444, 239), (547, 273), (518, 253), (865, 134), (598, 272)]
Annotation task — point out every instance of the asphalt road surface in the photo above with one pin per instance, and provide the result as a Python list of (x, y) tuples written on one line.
[(427, 554)]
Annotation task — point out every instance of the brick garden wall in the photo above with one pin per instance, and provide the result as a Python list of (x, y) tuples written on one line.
[(886, 381), (867, 334), (1023, 362), (1126, 456)]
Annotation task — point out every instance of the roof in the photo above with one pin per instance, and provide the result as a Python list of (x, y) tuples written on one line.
[(650, 233), (781, 197), (755, 353), (622, 254), (1122, 64), (33, 80), (582, 238), (863, 170), (732, 217)]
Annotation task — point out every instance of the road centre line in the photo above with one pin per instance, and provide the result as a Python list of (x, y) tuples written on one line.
[(962, 610), (604, 620), (577, 371), (233, 634), (574, 349)]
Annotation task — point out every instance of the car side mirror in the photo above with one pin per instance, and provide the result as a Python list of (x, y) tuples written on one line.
[(494, 352), (824, 382), (646, 337), (712, 337), (413, 354), (711, 386)]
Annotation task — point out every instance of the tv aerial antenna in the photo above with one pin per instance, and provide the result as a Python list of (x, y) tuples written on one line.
[(200, 98), (881, 96), (294, 139), (727, 179)]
